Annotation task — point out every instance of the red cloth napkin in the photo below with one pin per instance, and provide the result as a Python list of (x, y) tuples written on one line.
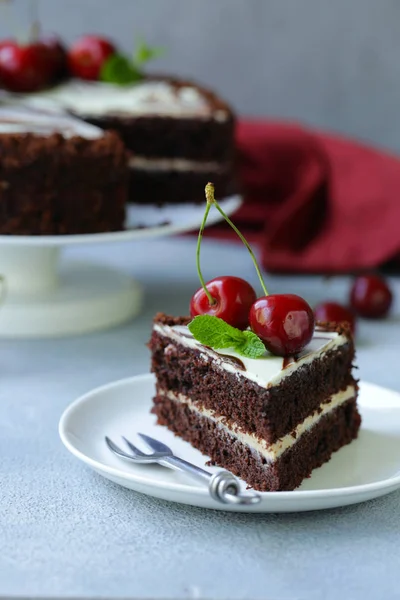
[(316, 202)]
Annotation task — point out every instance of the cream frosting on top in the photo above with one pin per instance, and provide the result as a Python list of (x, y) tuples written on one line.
[(21, 119), (267, 370), (150, 98)]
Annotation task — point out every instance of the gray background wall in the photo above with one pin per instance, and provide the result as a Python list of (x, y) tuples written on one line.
[(330, 63)]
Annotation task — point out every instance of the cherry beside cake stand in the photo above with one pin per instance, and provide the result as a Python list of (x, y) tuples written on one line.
[(43, 296)]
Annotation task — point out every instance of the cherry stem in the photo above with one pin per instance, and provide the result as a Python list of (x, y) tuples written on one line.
[(35, 21), (201, 231), (211, 200)]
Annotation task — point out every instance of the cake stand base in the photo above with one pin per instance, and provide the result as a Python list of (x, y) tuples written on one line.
[(74, 299)]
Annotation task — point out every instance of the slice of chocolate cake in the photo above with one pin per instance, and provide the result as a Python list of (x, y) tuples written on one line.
[(269, 420), (59, 175), (180, 135)]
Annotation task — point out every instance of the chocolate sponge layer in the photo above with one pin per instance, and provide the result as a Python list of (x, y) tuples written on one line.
[(56, 185), (311, 450)]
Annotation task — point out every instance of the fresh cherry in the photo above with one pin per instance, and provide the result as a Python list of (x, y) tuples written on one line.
[(56, 54), (232, 299), (370, 296), (335, 313), (24, 68), (284, 322), (87, 56)]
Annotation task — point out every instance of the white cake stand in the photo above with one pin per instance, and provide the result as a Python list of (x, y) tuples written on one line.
[(45, 298)]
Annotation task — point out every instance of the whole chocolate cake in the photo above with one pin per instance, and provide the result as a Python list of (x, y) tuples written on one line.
[(180, 135)]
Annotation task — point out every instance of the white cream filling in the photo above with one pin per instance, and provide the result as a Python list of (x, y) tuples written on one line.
[(18, 119), (269, 451), (267, 370), (148, 98), (172, 164)]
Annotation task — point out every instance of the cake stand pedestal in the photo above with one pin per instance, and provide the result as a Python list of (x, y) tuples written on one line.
[(42, 295)]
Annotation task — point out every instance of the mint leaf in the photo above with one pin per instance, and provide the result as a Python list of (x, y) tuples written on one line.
[(145, 53), (253, 347), (214, 332), (120, 70)]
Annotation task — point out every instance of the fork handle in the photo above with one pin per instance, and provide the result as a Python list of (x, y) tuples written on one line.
[(223, 486), (179, 464)]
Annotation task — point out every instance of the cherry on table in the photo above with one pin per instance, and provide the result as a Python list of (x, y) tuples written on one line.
[(335, 313), (284, 322), (232, 297), (87, 56), (370, 296), (24, 68)]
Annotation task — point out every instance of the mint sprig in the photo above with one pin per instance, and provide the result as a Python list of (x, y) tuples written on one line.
[(216, 333), (121, 70), (144, 53)]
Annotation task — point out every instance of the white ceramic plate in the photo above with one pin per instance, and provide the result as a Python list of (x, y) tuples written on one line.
[(141, 222), (367, 468)]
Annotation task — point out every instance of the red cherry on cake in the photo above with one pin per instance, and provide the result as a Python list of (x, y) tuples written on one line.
[(56, 53), (370, 296), (24, 68), (284, 322), (335, 313), (232, 298), (87, 56)]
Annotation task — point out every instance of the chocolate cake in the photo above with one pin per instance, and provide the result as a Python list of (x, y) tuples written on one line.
[(59, 175), (180, 135), (269, 420)]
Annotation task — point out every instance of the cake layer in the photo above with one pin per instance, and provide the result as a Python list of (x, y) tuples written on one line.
[(268, 451), (157, 117), (167, 137), (175, 186), (62, 185), (268, 396), (313, 448), (181, 165)]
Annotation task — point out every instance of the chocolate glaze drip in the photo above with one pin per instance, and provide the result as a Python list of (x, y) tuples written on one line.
[(235, 362), (289, 360), (304, 353)]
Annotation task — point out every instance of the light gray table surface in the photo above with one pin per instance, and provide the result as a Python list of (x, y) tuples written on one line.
[(65, 531)]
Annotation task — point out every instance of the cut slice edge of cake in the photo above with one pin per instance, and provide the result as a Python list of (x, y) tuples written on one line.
[(270, 430)]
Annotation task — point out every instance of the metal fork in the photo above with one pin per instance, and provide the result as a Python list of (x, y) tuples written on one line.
[(223, 486)]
